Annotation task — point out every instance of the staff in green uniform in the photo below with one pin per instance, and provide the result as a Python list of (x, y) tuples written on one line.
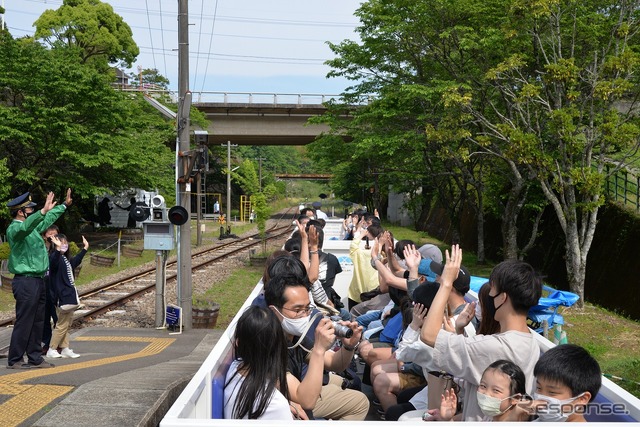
[(28, 261)]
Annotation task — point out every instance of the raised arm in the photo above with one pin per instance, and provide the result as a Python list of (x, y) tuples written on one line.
[(433, 322)]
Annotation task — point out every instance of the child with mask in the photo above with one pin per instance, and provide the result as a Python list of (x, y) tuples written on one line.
[(567, 379), (65, 295), (501, 390)]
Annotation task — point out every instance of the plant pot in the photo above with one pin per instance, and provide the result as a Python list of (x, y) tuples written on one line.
[(7, 283), (131, 252), (257, 260), (102, 261), (205, 318)]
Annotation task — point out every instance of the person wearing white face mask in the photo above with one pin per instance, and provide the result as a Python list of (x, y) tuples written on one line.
[(64, 292), (287, 296), (567, 379), (501, 390)]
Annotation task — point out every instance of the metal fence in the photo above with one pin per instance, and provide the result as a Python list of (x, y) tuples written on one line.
[(624, 187)]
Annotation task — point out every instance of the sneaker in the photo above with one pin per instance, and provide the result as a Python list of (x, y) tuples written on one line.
[(43, 364), (19, 365), (52, 353), (68, 353)]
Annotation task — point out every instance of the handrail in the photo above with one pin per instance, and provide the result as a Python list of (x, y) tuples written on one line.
[(250, 98)]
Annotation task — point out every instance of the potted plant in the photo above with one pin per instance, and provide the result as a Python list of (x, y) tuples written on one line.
[(204, 313)]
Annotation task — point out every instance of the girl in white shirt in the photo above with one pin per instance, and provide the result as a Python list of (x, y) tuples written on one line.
[(256, 384)]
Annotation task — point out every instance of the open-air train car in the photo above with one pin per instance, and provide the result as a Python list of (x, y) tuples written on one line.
[(201, 402)]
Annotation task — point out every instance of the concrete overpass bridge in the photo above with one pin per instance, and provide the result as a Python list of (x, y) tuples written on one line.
[(258, 118)]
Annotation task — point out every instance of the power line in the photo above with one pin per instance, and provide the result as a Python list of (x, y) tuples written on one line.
[(153, 54), (213, 27), (195, 72), (138, 11), (164, 57), (253, 59)]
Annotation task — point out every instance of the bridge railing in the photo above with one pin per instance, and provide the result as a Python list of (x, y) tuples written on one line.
[(271, 98), (250, 98)]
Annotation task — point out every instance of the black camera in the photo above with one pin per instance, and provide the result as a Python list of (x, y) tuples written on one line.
[(341, 330)]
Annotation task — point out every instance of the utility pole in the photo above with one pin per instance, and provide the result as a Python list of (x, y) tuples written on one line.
[(229, 182), (2, 15), (260, 159), (183, 196)]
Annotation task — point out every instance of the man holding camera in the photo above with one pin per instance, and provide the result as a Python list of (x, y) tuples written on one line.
[(288, 297), (29, 262)]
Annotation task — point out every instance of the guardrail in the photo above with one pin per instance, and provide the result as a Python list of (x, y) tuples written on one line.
[(250, 98), (624, 187)]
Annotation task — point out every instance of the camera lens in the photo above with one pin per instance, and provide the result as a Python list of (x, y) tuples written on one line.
[(342, 331)]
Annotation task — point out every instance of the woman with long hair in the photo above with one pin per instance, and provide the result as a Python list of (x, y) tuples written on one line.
[(256, 383), (64, 292)]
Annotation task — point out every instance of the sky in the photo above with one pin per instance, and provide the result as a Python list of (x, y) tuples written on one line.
[(275, 46)]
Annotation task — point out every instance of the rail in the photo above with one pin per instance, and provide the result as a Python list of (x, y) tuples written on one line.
[(624, 187), (201, 260), (251, 98)]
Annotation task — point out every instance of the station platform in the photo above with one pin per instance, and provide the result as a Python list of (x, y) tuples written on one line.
[(124, 377)]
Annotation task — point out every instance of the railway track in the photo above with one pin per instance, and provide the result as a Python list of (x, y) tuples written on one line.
[(105, 298)]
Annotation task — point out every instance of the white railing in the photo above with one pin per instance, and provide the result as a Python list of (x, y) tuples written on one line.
[(251, 98)]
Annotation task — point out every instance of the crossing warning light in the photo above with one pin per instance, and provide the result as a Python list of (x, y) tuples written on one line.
[(178, 215)]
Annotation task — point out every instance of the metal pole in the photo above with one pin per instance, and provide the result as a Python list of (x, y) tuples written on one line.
[(160, 310), (199, 208), (260, 159), (184, 248), (228, 183), (3, 15)]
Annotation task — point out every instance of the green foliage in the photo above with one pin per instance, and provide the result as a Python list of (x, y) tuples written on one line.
[(4, 250), (247, 177), (63, 125), (98, 34), (73, 249), (261, 208), (471, 94), (151, 76)]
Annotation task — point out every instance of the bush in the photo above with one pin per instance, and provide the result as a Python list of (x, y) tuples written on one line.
[(4, 250)]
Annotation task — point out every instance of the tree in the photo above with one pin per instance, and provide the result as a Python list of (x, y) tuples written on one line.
[(62, 124), (568, 104), (151, 76), (544, 92), (92, 27)]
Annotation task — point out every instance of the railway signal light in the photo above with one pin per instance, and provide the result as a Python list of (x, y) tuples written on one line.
[(139, 213), (178, 215)]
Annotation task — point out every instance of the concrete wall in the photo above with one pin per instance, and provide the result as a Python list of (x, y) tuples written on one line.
[(396, 212)]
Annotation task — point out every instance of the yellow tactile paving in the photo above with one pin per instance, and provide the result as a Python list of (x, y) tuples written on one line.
[(28, 399)]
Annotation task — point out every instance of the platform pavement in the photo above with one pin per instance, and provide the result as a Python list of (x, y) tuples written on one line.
[(124, 377)]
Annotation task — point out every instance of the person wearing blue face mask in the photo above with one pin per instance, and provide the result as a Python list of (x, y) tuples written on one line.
[(567, 379), (65, 295)]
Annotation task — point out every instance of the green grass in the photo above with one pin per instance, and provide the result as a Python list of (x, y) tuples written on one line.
[(232, 293), (612, 339)]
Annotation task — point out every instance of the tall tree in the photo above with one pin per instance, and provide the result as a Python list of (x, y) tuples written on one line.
[(62, 124), (567, 107), (100, 35)]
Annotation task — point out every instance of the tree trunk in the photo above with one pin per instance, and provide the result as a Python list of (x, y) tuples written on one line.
[(576, 268), (509, 225)]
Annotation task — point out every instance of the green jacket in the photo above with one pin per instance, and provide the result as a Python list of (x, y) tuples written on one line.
[(28, 253)]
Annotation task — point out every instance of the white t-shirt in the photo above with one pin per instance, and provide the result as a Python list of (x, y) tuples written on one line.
[(467, 358), (321, 215), (278, 408)]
